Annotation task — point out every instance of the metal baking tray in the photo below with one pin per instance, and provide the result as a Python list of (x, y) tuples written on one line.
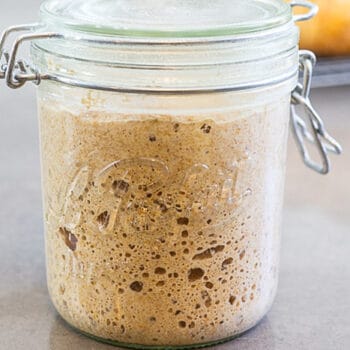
[(332, 72)]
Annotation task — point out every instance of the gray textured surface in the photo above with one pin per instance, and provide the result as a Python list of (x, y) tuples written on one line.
[(312, 308)]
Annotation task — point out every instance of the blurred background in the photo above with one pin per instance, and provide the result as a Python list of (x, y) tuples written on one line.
[(312, 308), (328, 34)]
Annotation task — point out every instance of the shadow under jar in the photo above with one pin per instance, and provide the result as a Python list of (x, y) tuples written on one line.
[(163, 139)]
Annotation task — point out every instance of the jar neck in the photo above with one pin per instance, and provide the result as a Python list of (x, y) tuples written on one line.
[(239, 63)]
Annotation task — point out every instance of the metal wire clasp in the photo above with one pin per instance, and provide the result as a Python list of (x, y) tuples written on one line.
[(313, 10), (318, 135), (16, 71)]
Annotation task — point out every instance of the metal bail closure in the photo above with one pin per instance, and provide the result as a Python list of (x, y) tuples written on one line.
[(313, 10), (318, 136), (16, 71)]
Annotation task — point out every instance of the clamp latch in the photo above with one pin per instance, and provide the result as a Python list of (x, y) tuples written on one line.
[(316, 134), (17, 72)]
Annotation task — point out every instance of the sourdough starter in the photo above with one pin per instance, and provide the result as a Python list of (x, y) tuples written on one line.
[(163, 229)]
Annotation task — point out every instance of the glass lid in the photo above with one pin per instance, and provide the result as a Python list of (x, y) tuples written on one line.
[(166, 18)]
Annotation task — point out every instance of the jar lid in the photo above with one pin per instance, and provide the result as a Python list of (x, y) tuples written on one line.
[(166, 18), (167, 45)]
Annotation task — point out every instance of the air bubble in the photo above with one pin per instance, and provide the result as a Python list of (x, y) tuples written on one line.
[(69, 238), (160, 271), (182, 324), (207, 254), (209, 285), (120, 187), (232, 299), (207, 303), (183, 221), (152, 138), (163, 208), (184, 233), (103, 220), (195, 274), (241, 255), (136, 286), (206, 128), (226, 262)]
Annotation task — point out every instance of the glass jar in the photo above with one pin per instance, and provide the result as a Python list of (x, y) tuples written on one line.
[(163, 141)]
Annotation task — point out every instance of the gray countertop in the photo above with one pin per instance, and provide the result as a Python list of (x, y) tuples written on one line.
[(312, 307)]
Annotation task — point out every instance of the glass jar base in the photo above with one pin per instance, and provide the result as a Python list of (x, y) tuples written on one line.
[(158, 347)]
